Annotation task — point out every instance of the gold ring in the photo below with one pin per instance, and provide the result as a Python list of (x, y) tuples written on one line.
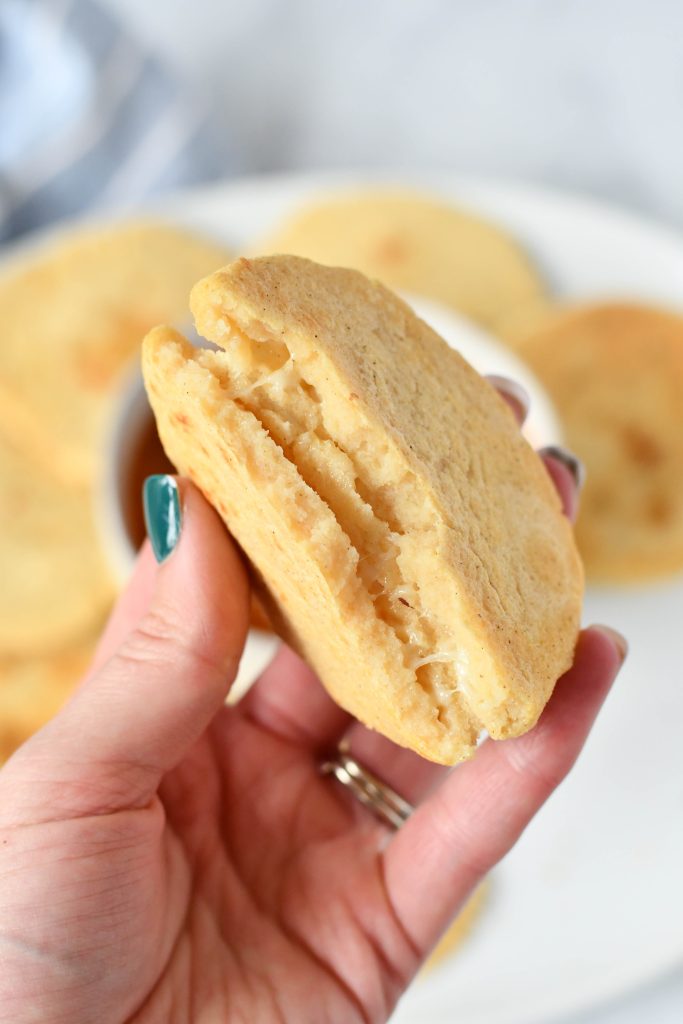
[(374, 794)]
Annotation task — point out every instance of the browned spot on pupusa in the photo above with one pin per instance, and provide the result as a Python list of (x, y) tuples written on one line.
[(392, 249), (641, 447), (181, 418), (659, 510)]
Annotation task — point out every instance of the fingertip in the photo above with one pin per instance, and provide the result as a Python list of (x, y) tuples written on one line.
[(199, 588), (569, 460), (582, 690), (565, 483), (162, 509), (598, 656), (205, 574), (614, 638), (516, 396)]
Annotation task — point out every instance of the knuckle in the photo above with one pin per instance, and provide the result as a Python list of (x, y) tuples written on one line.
[(536, 764), (163, 636), (155, 635)]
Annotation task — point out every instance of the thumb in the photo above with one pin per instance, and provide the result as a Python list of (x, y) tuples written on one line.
[(138, 715)]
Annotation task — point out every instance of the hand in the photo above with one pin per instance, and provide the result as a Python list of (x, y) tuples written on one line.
[(166, 858)]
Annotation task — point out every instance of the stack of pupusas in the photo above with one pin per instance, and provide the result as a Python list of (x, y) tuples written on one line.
[(72, 314)]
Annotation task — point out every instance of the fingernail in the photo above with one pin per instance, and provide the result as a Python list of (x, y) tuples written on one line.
[(161, 505), (619, 641), (513, 392), (569, 460)]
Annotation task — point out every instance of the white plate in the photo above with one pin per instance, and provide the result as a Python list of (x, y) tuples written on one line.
[(590, 903)]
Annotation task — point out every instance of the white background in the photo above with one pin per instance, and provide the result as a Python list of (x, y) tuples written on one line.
[(581, 94), (584, 94)]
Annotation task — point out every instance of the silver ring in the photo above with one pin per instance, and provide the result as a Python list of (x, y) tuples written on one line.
[(381, 799)]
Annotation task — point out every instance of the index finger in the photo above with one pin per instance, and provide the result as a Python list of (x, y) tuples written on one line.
[(565, 470)]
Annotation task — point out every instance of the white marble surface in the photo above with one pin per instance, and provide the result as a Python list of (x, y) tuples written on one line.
[(580, 94)]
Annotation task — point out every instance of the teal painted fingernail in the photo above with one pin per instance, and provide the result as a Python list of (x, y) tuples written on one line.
[(161, 505)]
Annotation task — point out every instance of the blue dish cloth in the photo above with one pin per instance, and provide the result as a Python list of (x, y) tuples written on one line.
[(89, 119)]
